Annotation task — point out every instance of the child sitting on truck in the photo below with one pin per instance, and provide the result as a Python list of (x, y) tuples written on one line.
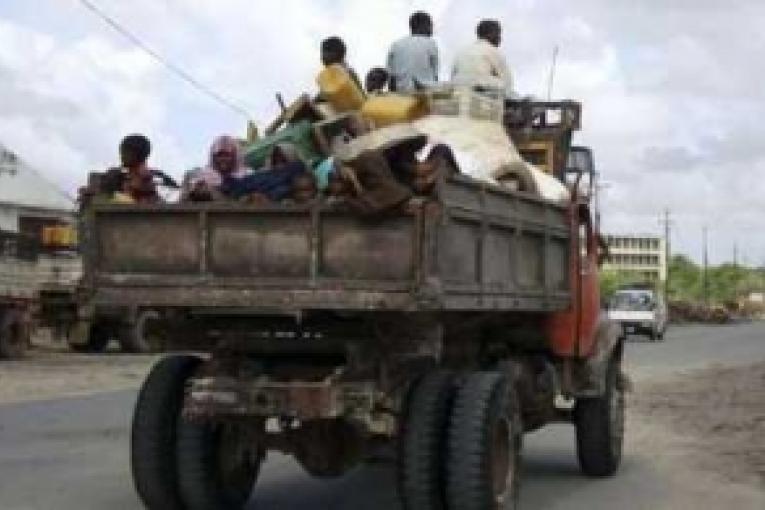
[(134, 180)]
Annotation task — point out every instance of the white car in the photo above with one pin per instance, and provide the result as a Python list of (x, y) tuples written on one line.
[(639, 311)]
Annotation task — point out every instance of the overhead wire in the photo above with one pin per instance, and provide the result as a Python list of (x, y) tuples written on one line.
[(175, 69)]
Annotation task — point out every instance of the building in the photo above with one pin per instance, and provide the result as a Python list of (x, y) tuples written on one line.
[(29, 202), (642, 255)]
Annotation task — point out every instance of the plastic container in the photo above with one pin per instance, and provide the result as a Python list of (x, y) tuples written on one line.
[(339, 89), (388, 109), (48, 236), (466, 102)]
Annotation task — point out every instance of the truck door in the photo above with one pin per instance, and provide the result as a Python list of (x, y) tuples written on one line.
[(572, 332), (589, 287)]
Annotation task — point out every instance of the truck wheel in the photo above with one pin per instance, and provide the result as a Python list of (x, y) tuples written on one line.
[(153, 434), (422, 442), (14, 334), (139, 337), (484, 445), (599, 426), (99, 334), (218, 465)]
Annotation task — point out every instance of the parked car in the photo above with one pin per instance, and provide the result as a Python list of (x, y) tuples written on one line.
[(639, 311)]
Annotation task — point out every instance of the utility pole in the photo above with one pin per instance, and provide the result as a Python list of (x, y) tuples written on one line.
[(551, 78), (705, 262), (735, 254), (667, 222)]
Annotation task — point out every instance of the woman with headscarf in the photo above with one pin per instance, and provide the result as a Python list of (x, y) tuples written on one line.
[(226, 163)]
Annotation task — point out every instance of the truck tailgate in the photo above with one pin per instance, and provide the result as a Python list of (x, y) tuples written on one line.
[(248, 256)]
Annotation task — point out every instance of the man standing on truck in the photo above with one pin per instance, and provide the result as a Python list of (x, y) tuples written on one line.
[(413, 60), (482, 63)]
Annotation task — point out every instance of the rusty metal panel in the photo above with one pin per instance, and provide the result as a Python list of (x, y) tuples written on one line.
[(498, 260), (286, 299), (165, 243), (530, 259), (259, 244), (558, 265), (364, 250), (458, 252)]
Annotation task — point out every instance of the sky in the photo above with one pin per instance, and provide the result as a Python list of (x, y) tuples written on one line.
[(673, 102)]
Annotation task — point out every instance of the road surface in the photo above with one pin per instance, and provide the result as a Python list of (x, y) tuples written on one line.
[(72, 453)]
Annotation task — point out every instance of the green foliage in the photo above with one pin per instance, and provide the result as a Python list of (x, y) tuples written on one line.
[(725, 283), (612, 280)]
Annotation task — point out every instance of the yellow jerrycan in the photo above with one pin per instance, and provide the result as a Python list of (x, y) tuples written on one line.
[(339, 89)]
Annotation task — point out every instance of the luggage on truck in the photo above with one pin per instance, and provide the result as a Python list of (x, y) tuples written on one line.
[(300, 135), (338, 87), (388, 109)]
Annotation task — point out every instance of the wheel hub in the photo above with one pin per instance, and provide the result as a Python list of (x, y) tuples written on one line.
[(502, 470)]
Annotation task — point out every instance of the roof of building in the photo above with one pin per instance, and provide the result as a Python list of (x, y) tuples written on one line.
[(632, 235), (22, 185)]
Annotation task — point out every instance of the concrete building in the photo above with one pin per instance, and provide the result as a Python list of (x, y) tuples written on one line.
[(28, 201), (642, 255)]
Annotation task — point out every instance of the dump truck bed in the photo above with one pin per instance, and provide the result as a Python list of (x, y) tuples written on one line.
[(478, 248)]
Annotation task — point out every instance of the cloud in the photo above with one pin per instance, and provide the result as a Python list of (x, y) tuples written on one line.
[(671, 90)]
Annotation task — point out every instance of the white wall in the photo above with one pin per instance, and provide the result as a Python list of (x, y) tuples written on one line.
[(9, 219)]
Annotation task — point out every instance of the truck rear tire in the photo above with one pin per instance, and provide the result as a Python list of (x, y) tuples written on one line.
[(484, 445), (137, 337), (599, 426), (422, 442), (217, 465), (14, 334), (153, 435), (99, 335)]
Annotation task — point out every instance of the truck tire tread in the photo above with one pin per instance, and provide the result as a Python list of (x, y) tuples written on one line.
[(423, 442), (199, 478), (597, 455), (153, 432), (14, 335), (483, 398)]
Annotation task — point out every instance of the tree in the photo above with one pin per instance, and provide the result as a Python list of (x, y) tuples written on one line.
[(611, 280)]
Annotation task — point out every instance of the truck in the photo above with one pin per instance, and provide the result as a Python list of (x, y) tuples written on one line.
[(639, 309), (27, 270), (443, 333)]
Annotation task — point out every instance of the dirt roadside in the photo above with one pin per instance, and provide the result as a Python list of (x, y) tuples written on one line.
[(716, 417), (51, 371)]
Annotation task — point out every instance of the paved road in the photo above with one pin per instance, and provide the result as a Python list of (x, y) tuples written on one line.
[(72, 453)]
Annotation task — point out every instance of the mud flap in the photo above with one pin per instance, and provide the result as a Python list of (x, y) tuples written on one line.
[(589, 375)]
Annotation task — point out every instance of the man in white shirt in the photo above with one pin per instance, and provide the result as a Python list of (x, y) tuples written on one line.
[(413, 60), (482, 63)]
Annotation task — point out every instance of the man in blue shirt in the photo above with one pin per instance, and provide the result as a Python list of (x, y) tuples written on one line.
[(413, 60)]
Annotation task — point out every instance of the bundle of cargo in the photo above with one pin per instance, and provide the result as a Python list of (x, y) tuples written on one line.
[(468, 121)]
